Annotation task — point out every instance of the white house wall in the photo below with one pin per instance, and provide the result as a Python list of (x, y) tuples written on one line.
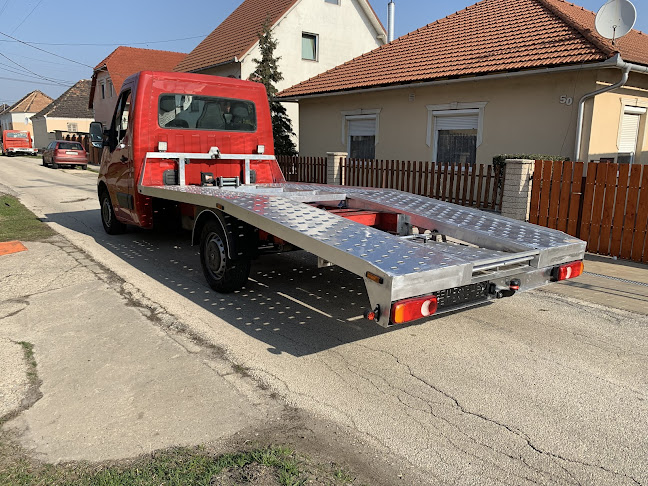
[(343, 31)]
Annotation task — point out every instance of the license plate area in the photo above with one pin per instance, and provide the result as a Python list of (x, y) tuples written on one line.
[(463, 296)]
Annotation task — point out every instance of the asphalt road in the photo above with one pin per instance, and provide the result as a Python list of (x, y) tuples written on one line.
[(536, 389)]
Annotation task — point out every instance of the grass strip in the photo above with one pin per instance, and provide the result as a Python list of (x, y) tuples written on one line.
[(19, 223), (173, 467)]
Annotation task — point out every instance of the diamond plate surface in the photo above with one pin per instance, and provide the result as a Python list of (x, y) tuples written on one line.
[(473, 220), (391, 254)]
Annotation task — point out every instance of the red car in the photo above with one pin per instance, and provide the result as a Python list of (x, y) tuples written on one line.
[(61, 152)]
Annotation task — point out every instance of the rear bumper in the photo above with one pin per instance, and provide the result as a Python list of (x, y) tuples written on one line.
[(70, 160), (21, 150)]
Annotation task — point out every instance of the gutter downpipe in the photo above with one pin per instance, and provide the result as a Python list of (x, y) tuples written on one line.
[(621, 64)]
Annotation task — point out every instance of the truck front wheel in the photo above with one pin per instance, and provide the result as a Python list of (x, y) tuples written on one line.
[(110, 222), (223, 274)]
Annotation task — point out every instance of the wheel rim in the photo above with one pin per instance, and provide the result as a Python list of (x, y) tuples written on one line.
[(215, 256), (106, 212)]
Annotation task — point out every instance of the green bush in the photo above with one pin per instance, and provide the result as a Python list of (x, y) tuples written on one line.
[(499, 161)]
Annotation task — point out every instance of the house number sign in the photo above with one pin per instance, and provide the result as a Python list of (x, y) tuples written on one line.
[(566, 100)]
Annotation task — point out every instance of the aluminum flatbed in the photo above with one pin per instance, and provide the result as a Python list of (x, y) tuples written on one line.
[(488, 250)]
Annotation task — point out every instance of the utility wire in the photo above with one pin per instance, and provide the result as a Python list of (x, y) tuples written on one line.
[(28, 15), (21, 73), (48, 52), (36, 82), (32, 72), (111, 44)]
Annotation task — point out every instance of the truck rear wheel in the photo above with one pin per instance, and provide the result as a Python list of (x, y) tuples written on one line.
[(223, 274), (110, 222)]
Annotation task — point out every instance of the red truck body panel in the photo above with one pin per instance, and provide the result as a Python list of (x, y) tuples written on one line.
[(17, 141), (121, 166)]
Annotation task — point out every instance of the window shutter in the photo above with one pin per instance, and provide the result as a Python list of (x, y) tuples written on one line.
[(362, 128), (468, 122), (629, 133)]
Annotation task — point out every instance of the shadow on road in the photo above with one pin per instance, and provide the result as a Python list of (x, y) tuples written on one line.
[(289, 303)]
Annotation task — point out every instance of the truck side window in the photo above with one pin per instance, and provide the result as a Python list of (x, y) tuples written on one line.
[(120, 120)]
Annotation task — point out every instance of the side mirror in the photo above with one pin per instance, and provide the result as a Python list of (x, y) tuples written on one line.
[(97, 134)]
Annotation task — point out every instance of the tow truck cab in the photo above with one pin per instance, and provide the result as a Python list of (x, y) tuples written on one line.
[(182, 113), (17, 142)]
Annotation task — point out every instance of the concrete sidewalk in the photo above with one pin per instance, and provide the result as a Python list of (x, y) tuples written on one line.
[(621, 284), (116, 380)]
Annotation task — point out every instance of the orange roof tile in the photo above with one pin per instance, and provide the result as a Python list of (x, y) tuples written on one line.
[(488, 37), (236, 35), (31, 103), (125, 61)]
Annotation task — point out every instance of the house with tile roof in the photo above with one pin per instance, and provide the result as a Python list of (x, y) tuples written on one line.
[(68, 113), (499, 77), (109, 75), (312, 36), (18, 116)]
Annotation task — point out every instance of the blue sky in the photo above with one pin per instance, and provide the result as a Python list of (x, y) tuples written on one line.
[(67, 33)]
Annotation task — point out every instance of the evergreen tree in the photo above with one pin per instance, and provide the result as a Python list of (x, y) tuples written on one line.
[(267, 72)]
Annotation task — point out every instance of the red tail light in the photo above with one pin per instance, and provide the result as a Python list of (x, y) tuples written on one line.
[(569, 270), (411, 309)]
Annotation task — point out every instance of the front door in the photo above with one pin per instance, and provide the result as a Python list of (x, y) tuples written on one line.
[(120, 172)]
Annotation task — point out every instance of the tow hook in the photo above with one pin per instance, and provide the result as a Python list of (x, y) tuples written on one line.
[(501, 292), (372, 315)]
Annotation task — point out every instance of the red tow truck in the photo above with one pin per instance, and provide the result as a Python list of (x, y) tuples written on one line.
[(17, 142), (199, 150)]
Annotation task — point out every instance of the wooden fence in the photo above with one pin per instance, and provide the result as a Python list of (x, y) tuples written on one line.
[(303, 169), (477, 185), (608, 207), (469, 185)]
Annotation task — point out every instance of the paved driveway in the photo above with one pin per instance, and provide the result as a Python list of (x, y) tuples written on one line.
[(539, 388)]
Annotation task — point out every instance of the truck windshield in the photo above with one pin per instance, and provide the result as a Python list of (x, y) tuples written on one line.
[(206, 113), (16, 135)]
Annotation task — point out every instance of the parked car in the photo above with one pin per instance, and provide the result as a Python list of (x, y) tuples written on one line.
[(61, 153)]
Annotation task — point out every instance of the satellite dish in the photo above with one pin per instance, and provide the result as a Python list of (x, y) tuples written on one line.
[(615, 19)]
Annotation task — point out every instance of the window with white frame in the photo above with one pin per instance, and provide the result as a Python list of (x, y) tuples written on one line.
[(72, 127), (309, 46), (455, 131), (629, 133), (361, 139), (111, 89)]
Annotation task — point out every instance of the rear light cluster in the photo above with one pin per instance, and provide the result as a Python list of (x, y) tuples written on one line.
[(412, 309), (569, 270)]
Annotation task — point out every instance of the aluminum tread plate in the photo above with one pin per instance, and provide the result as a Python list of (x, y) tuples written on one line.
[(388, 253), (490, 225)]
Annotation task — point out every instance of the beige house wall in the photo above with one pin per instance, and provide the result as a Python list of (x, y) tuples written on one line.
[(104, 107), (44, 126), (17, 121), (608, 109), (532, 114)]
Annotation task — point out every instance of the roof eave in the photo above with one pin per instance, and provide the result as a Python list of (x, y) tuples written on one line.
[(608, 63)]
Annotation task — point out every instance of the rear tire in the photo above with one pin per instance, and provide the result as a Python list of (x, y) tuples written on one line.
[(55, 165), (223, 274), (84, 167), (110, 222)]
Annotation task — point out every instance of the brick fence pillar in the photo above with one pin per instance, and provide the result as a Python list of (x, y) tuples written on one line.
[(516, 195), (333, 173)]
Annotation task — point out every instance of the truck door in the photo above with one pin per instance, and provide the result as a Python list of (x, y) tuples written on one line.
[(119, 174)]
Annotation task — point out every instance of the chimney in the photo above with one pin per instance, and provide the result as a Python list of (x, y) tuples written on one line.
[(391, 9)]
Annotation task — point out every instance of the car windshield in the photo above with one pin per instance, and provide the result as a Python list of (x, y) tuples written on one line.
[(17, 135), (70, 146), (206, 113)]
